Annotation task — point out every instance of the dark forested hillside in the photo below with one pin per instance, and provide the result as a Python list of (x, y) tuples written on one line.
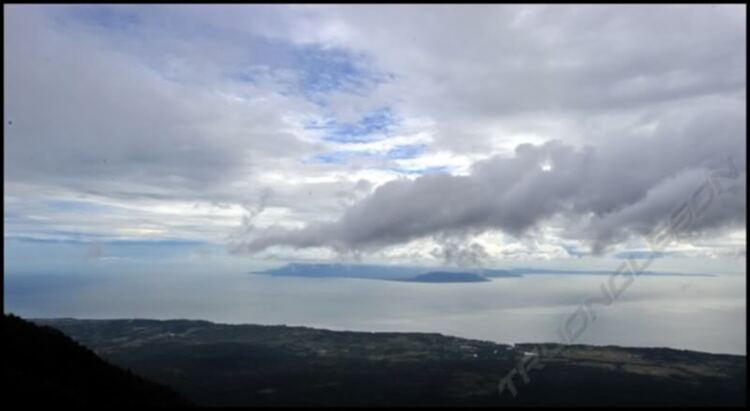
[(45, 367), (221, 364)]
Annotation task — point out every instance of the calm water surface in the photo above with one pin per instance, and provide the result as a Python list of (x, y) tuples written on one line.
[(697, 313)]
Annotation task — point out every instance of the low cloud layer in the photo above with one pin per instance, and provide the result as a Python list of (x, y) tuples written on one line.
[(606, 192)]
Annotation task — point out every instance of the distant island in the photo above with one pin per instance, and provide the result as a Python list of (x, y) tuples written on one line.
[(430, 274), (368, 271), (447, 277)]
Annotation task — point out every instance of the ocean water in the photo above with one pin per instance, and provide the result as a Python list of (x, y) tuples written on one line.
[(696, 313)]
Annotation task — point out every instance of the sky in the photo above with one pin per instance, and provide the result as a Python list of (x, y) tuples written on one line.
[(472, 136)]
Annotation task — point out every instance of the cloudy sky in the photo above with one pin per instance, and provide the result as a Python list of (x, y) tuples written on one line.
[(461, 135)]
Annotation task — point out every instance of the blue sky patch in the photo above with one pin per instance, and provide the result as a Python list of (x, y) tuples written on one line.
[(318, 70), (109, 17), (402, 152), (420, 171), (406, 151), (328, 70), (370, 127)]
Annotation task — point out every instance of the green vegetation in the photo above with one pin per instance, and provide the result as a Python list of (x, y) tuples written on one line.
[(219, 364)]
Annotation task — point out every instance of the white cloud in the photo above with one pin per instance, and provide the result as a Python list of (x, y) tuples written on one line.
[(177, 118)]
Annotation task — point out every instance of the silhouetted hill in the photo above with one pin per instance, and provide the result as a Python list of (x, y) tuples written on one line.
[(255, 365), (369, 271), (394, 272), (448, 277), (44, 367)]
